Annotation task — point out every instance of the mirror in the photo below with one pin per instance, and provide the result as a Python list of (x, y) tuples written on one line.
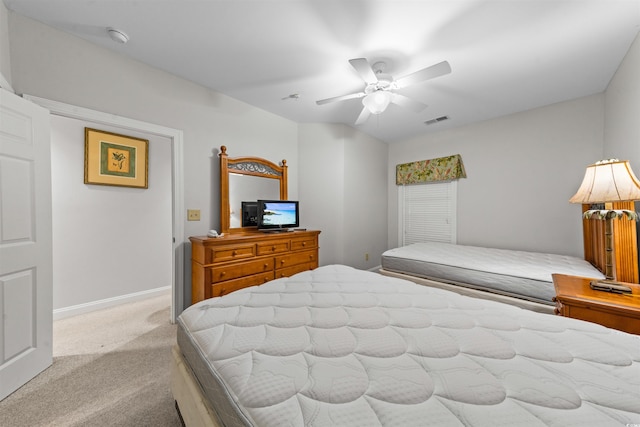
[(247, 179), (244, 188)]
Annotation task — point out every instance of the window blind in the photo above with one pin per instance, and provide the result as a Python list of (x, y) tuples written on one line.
[(427, 212)]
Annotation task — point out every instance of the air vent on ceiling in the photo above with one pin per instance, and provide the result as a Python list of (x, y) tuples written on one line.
[(436, 120)]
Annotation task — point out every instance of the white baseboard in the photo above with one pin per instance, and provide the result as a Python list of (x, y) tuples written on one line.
[(61, 313), (375, 269)]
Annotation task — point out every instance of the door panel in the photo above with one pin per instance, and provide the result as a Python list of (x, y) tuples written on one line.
[(20, 317), (17, 221), (26, 314)]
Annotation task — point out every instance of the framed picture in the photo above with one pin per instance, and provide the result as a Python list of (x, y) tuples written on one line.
[(113, 159)]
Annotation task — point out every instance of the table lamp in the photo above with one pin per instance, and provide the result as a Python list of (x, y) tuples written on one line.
[(608, 181)]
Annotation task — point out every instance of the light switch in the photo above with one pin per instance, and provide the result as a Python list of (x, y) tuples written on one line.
[(193, 214)]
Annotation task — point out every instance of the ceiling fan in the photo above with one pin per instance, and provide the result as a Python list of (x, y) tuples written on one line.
[(379, 90)]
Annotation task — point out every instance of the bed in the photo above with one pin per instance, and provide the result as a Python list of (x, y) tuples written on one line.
[(337, 346), (516, 277)]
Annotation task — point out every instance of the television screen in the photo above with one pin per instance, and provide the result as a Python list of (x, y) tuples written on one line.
[(278, 214)]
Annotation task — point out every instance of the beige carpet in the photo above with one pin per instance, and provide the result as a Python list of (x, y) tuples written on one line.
[(110, 368)]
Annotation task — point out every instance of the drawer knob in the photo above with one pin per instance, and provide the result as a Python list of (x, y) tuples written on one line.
[(281, 261), (273, 248), (304, 243), (234, 253), (223, 273)]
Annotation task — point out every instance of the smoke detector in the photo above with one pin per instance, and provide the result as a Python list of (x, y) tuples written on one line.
[(118, 36)]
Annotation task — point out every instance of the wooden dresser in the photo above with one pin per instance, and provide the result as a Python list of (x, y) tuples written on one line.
[(235, 261)]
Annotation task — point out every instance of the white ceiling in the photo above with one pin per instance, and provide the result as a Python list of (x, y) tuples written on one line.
[(506, 56)]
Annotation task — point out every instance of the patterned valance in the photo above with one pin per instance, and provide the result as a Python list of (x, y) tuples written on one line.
[(440, 169)]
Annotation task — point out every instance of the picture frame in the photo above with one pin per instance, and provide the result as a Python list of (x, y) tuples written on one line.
[(115, 159)]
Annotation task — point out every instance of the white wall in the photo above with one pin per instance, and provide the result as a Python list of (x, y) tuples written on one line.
[(321, 186), (343, 193), (54, 65), (622, 110), (107, 241), (521, 171), (365, 199)]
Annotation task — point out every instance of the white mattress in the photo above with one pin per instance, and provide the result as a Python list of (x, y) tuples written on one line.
[(519, 274), (342, 347)]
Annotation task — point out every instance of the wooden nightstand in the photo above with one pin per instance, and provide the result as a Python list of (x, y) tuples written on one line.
[(574, 298)]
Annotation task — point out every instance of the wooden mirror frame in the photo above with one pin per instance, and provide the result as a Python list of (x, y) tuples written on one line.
[(253, 166)]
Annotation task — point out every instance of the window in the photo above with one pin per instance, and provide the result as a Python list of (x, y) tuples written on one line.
[(427, 212)]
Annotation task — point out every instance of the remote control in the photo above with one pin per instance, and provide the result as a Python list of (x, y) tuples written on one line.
[(610, 287)]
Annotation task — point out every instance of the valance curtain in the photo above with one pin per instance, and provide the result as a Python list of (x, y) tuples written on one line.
[(440, 169)]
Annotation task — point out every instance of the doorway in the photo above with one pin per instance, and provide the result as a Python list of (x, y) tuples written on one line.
[(174, 230)]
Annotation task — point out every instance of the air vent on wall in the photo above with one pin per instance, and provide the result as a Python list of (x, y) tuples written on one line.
[(436, 120)]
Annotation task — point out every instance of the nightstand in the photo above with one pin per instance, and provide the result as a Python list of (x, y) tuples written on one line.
[(574, 298)]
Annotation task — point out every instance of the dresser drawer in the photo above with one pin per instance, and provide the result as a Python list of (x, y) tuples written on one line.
[(290, 271), (238, 260), (289, 260), (240, 269), (230, 253), (301, 243), (223, 288), (273, 247)]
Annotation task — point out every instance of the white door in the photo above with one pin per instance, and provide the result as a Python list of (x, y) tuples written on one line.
[(26, 312)]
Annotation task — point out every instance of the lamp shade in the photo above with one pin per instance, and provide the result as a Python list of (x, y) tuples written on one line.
[(378, 101), (608, 181)]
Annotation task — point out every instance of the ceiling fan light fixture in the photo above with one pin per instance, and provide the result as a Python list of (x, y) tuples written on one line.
[(378, 101)]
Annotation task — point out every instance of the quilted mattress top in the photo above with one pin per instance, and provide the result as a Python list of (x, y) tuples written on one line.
[(531, 265), (342, 347)]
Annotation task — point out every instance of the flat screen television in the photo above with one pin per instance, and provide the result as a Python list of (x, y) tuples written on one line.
[(278, 215)]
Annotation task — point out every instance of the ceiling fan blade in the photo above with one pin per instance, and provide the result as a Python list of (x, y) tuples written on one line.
[(364, 115), (408, 103), (437, 70), (340, 98), (364, 69)]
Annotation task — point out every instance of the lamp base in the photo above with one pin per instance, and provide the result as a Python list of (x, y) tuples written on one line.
[(609, 286)]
